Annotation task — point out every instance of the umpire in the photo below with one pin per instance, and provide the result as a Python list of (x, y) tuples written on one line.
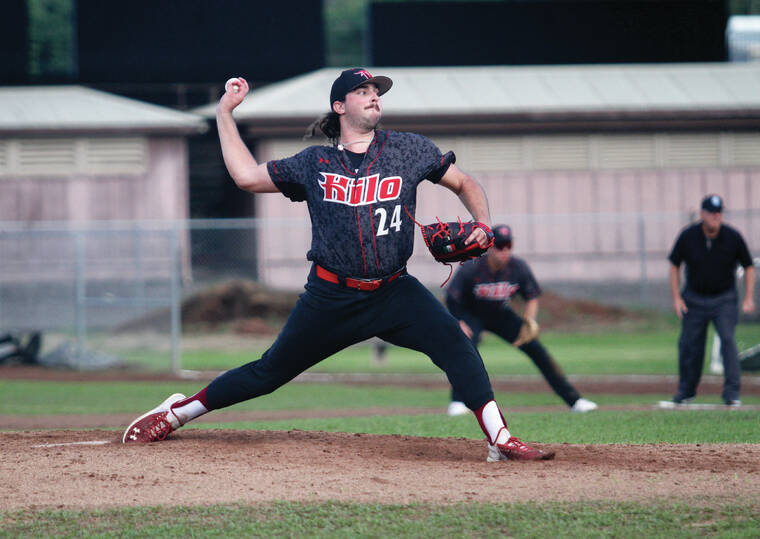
[(710, 251)]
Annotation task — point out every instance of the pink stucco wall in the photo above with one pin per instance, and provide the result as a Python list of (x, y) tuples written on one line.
[(90, 204), (160, 193), (577, 225)]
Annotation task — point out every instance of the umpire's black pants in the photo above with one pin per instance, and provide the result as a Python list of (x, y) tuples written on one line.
[(722, 310), (329, 317)]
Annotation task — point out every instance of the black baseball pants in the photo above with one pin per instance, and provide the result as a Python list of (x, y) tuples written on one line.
[(329, 317), (723, 311), (507, 326)]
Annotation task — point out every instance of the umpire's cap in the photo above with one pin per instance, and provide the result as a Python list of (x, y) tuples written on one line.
[(353, 78), (502, 235), (712, 204)]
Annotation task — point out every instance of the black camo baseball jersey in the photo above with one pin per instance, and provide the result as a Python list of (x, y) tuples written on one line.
[(475, 289), (359, 222)]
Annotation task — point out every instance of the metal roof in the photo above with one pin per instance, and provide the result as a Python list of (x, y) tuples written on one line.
[(59, 109), (523, 91)]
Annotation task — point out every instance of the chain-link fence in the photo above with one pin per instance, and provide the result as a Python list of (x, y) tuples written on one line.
[(113, 292), (79, 285)]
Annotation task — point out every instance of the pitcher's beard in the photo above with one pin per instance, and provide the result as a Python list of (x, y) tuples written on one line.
[(365, 123)]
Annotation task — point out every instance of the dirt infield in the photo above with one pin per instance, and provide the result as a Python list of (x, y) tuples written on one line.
[(91, 469)]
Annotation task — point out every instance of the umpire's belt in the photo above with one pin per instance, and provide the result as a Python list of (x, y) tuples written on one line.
[(359, 284)]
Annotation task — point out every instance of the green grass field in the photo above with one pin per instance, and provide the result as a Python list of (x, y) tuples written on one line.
[(650, 352), (735, 519), (603, 426)]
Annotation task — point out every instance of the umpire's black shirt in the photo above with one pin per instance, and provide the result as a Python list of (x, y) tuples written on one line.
[(710, 264)]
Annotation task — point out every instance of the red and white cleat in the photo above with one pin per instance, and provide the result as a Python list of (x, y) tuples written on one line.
[(514, 449), (155, 425)]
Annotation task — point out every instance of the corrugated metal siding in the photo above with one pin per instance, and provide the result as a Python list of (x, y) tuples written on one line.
[(626, 152), (497, 154), (65, 156), (560, 153), (746, 149), (46, 155), (115, 154), (581, 152), (692, 151), (159, 192), (609, 152)]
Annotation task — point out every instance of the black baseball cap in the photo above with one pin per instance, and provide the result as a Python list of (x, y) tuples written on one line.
[(712, 204), (353, 78), (502, 235)]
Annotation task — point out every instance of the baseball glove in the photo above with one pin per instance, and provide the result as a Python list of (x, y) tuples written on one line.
[(528, 332), (446, 240)]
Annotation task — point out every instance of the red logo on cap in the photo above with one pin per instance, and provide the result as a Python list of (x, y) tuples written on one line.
[(364, 73)]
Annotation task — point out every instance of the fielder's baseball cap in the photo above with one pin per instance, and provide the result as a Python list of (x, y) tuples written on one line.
[(502, 235), (353, 78), (712, 204)]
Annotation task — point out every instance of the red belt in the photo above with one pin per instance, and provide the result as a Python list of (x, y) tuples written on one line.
[(359, 284)]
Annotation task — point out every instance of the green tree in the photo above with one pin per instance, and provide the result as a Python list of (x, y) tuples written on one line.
[(744, 7), (346, 25), (51, 39), (345, 28)]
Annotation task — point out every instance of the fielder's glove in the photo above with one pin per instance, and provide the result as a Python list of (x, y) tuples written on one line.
[(446, 240), (528, 332)]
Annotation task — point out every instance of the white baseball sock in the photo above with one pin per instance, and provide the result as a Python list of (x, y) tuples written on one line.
[(190, 408), (492, 422), (189, 411)]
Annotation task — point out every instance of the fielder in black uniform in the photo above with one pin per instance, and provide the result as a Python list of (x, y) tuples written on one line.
[(711, 251), (361, 193), (479, 297)]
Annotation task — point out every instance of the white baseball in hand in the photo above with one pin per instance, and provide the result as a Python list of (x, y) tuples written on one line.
[(233, 83)]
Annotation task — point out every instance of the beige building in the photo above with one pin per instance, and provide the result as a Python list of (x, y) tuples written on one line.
[(73, 159), (596, 167), (70, 153)]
